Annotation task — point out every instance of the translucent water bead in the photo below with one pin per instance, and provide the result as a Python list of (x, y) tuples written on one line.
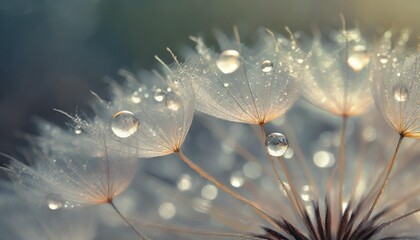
[(124, 124), (400, 93), (229, 61), (267, 66), (358, 58), (276, 144), (54, 202)]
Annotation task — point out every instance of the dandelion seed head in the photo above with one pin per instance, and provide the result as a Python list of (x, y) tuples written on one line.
[(259, 85), (157, 124), (396, 85), (336, 79)]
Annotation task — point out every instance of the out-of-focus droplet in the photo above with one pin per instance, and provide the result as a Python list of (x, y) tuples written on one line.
[(252, 170), (267, 66), (383, 58), (358, 58), (135, 97), (276, 144), (124, 124), (400, 93), (209, 192), (167, 210), (369, 134), (78, 129), (226, 84), (159, 95), (54, 202), (323, 159), (173, 102), (229, 61), (237, 179), (184, 183)]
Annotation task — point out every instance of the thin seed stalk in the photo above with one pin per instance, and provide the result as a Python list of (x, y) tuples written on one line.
[(142, 237), (388, 173), (226, 189), (341, 163)]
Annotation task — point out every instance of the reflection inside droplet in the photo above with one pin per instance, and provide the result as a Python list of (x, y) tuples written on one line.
[(124, 124), (229, 61)]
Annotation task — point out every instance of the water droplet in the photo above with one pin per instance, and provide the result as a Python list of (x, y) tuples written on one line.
[(54, 202), (135, 97), (237, 180), (167, 210), (229, 61), (184, 183), (209, 192), (300, 60), (124, 124), (78, 130), (400, 93), (358, 58), (226, 84), (323, 159), (369, 134), (267, 66), (252, 170), (383, 58), (276, 144), (159, 95), (173, 102)]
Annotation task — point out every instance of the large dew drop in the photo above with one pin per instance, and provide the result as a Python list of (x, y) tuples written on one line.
[(124, 124), (229, 61), (400, 93), (358, 58), (266, 66), (276, 144)]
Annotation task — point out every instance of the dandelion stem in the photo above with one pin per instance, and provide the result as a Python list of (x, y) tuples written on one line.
[(126, 221), (341, 163), (293, 199), (388, 172), (291, 135), (226, 189)]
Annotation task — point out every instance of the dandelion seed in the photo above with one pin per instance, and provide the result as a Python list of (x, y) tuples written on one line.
[(396, 94), (341, 90), (248, 93)]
